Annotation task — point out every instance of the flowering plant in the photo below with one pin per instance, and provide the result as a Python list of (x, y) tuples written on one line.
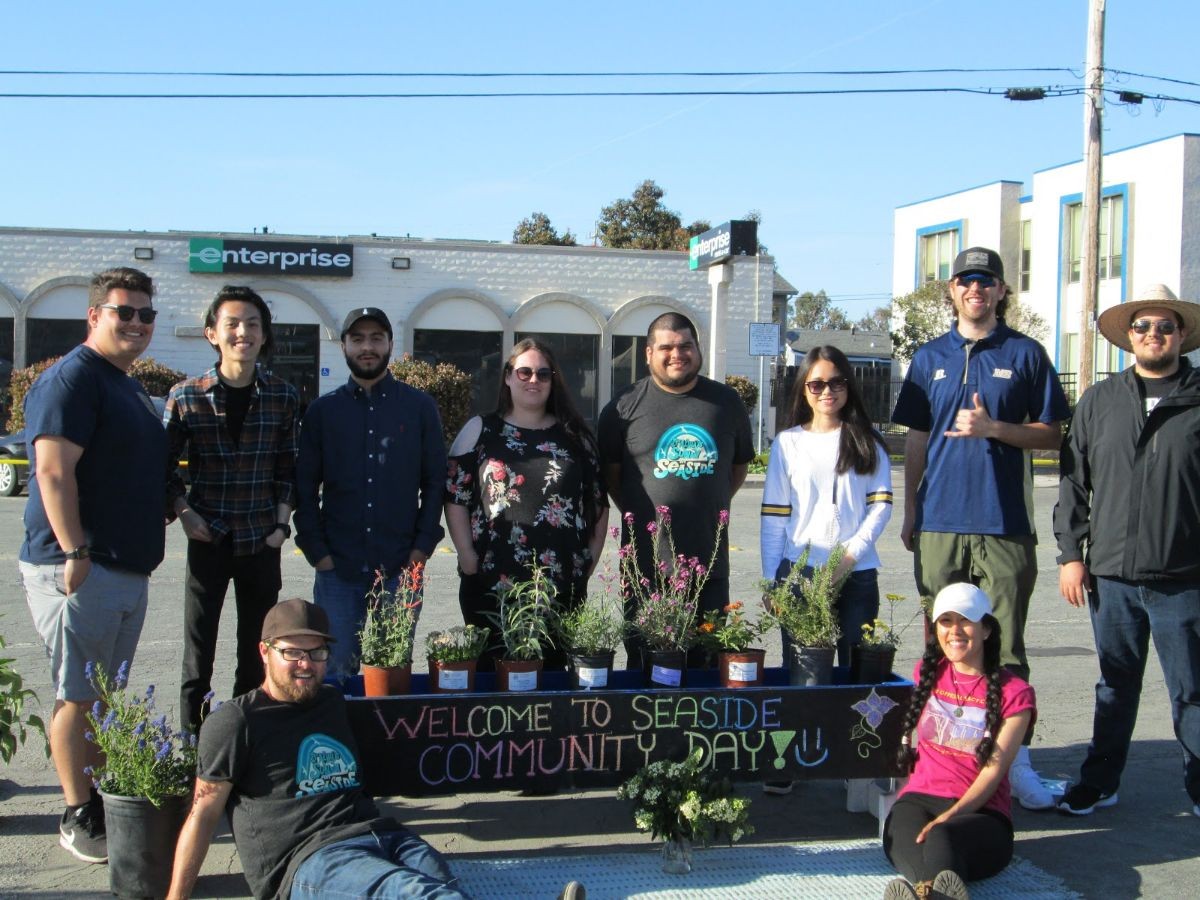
[(668, 597), (457, 644), (523, 620), (390, 626), (729, 631), (879, 633), (143, 756), (595, 626), (680, 800), (805, 606)]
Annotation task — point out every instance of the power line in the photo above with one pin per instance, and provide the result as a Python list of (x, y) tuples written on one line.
[(1153, 77)]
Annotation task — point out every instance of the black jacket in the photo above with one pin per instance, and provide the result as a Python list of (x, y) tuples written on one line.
[(1130, 489)]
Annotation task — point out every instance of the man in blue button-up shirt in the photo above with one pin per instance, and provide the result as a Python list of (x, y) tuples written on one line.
[(370, 476)]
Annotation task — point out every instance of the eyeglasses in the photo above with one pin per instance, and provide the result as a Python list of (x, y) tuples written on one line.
[(527, 374), (295, 654), (978, 278), (125, 312), (1162, 326), (836, 385)]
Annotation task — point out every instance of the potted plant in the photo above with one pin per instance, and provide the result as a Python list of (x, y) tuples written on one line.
[(871, 660), (729, 635), (452, 656), (683, 803), (523, 625), (805, 606), (145, 780), (590, 633), (388, 632), (15, 722), (667, 598)]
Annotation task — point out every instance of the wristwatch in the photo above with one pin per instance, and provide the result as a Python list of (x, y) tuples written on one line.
[(83, 551), (285, 528)]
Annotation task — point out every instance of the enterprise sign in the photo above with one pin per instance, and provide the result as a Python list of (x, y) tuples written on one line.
[(735, 238), (270, 257)]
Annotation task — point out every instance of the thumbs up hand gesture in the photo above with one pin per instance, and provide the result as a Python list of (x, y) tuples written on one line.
[(973, 422)]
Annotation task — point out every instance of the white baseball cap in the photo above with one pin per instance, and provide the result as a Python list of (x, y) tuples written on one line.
[(965, 599)]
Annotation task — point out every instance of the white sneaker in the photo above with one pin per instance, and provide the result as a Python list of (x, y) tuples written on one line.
[(1027, 786)]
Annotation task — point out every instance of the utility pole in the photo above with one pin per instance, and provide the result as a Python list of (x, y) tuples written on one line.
[(1093, 100)]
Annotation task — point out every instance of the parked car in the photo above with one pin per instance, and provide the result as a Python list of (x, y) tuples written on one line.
[(12, 477)]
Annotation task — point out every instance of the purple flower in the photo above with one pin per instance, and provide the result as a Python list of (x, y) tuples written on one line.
[(90, 736), (122, 674), (139, 728), (651, 528), (614, 532), (664, 513), (97, 708), (90, 670), (149, 691), (164, 750), (723, 517), (628, 517), (874, 707), (108, 720), (88, 770), (208, 697)]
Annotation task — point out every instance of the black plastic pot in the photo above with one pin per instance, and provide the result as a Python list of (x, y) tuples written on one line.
[(664, 668), (141, 843), (590, 671), (871, 665), (810, 666)]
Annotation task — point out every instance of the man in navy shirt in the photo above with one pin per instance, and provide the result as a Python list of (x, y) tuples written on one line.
[(93, 526), (976, 401), (370, 476)]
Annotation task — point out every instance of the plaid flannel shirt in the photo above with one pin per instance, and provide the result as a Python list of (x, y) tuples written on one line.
[(236, 488)]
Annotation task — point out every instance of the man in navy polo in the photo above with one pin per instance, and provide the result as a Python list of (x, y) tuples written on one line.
[(976, 401)]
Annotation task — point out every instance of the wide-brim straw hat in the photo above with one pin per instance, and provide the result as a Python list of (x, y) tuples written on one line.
[(1114, 321)]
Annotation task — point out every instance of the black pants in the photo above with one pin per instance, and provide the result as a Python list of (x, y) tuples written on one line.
[(974, 845), (477, 598), (715, 596), (256, 584)]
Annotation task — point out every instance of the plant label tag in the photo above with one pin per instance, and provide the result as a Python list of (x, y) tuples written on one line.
[(522, 681), (743, 671), (669, 677), (452, 679), (592, 678)]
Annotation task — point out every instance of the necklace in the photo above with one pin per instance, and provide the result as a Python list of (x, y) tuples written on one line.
[(960, 694)]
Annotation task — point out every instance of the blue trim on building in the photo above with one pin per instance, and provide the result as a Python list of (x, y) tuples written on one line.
[(956, 226)]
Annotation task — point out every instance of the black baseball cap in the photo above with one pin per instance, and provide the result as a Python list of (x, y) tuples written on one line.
[(295, 617), (367, 312), (978, 259)]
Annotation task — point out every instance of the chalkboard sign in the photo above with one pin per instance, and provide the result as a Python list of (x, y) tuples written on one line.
[(447, 743)]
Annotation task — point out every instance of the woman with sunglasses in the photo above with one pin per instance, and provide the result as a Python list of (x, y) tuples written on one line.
[(829, 483), (524, 488)]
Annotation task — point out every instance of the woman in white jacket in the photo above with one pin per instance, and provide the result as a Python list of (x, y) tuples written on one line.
[(829, 482)]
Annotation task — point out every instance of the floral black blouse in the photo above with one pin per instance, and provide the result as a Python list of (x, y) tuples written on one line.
[(525, 491)]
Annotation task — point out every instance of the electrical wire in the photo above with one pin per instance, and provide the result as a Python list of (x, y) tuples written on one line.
[(632, 74)]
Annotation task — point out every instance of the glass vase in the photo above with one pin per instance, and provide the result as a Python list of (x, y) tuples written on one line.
[(677, 856)]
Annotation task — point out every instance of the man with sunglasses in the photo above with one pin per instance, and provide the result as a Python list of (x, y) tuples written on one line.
[(93, 525), (283, 759), (1127, 521), (370, 476), (237, 425), (977, 401)]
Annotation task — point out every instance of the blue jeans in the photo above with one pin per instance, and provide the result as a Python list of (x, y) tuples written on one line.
[(384, 864), (345, 602), (1124, 616), (857, 604)]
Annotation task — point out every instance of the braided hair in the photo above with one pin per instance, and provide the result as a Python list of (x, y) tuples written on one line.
[(906, 757)]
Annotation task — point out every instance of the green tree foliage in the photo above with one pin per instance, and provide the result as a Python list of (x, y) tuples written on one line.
[(811, 311), (746, 389), (643, 223), (879, 319), (538, 230), (449, 386)]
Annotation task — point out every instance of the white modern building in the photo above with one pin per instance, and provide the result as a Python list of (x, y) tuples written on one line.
[(1149, 232), (458, 301)]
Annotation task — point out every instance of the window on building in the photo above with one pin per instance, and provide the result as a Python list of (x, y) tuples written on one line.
[(1026, 255), (475, 352), (578, 357), (296, 359), (628, 361), (1112, 234), (48, 338), (937, 255)]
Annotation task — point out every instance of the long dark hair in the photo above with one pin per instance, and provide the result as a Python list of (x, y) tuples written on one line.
[(859, 445), (906, 757)]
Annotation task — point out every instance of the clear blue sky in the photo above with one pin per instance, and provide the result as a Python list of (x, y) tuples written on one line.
[(825, 171)]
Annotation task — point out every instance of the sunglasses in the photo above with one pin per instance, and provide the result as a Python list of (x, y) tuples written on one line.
[(125, 312), (836, 385), (1162, 326), (295, 654), (978, 278), (527, 374)]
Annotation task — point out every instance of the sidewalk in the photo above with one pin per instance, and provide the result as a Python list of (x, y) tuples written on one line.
[(1147, 845)]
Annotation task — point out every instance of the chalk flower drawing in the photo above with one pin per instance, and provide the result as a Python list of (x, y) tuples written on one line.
[(872, 708)]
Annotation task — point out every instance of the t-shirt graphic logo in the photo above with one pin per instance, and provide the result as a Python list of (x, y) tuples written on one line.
[(685, 451), (324, 765)]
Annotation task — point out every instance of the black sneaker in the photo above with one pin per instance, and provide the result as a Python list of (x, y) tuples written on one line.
[(81, 831), (1082, 800)]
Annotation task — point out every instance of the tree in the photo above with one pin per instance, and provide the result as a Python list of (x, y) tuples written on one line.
[(538, 230), (643, 223), (812, 311), (879, 319)]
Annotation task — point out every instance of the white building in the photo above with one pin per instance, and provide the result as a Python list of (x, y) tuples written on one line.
[(1149, 232), (458, 301)]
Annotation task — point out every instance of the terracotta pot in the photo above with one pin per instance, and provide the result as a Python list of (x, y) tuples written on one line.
[(871, 665), (386, 681), (810, 666), (664, 668), (742, 668), (451, 677), (590, 671), (518, 674)]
